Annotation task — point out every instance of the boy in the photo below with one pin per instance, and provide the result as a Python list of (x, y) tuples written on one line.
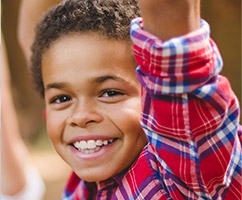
[(83, 66)]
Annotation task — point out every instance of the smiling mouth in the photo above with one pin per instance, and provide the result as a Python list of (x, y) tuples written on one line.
[(91, 146)]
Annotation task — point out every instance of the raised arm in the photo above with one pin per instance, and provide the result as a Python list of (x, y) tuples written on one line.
[(167, 19), (190, 113)]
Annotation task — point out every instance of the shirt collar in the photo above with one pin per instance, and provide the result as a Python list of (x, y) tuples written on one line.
[(112, 182)]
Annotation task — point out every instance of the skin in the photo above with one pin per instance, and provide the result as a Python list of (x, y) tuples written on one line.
[(13, 150), (30, 12), (91, 91), (167, 19)]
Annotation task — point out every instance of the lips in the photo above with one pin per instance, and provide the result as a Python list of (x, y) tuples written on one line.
[(91, 146)]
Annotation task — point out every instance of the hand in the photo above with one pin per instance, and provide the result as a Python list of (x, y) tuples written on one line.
[(170, 18)]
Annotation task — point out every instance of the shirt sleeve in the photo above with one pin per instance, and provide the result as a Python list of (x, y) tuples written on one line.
[(190, 114)]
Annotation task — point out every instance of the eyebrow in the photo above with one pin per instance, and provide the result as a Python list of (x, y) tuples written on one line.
[(56, 86), (101, 79)]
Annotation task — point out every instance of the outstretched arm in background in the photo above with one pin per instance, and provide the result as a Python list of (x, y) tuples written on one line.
[(29, 15), (13, 152), (19, 179)]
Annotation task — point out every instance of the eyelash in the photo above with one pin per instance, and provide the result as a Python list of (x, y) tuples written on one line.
[(111, 93), (105, 94)]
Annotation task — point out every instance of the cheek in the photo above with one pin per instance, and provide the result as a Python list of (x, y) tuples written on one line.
[(51, 131), (54, 126), (127, 117)]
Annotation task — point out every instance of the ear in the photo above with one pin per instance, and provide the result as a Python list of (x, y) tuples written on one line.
[(44, 115)]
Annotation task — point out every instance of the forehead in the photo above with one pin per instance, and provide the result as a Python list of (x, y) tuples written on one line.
[(90, 44), (86, 55)]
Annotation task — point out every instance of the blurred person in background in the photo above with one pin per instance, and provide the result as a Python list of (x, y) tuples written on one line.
[(20, 180)]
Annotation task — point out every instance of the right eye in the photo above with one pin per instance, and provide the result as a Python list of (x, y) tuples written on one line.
[(60, 99)]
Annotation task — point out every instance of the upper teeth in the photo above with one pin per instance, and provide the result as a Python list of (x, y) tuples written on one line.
[(91, 144)]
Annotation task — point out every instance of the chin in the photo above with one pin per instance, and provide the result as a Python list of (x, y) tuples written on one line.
[(92, 175)]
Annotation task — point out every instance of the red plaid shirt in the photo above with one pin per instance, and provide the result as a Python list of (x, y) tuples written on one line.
[(190, 116)]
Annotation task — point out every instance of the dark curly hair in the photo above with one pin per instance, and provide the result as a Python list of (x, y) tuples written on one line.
[(109, 18)]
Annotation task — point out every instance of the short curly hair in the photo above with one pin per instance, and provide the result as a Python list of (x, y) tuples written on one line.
[(109, 18)]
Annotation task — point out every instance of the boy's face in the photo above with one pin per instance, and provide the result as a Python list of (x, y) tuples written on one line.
[(93, 106)]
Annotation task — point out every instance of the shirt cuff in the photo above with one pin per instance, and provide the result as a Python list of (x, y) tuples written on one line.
[(181, 64)]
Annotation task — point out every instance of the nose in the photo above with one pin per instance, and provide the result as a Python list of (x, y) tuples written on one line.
[(84, 115)]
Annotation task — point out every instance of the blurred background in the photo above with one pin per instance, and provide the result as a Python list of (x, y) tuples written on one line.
[(224, 18)]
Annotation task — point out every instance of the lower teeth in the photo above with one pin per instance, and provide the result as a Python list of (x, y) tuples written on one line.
[(87, 151)]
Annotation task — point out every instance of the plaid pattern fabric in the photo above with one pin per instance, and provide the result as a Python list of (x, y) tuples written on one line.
[(190, 116)]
